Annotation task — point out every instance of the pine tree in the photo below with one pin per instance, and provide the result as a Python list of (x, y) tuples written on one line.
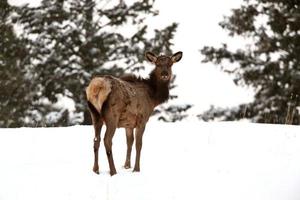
[(69, 41), (15, 95), (270, 63)]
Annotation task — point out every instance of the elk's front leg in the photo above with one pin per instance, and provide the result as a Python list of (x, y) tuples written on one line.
[(138, 144), (129, 139)]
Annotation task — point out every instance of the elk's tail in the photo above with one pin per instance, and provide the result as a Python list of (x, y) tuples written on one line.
[(97, 92)]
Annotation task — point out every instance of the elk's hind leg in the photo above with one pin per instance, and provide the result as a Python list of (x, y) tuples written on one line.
[(129, 138), (110, 131), (97, 123)]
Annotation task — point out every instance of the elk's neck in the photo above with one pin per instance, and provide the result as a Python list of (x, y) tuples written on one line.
[(159, 89)]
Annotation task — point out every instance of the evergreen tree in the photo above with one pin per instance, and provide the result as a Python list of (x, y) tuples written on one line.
[(270, 63), (15, 95), (69, 41)]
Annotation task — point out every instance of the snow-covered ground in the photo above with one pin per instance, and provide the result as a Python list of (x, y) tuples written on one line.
[(187, 160)]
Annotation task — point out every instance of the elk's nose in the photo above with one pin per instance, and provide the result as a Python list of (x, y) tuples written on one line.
[(164, 75)]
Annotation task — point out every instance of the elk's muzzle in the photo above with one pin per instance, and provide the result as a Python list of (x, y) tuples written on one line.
[(165, 76)]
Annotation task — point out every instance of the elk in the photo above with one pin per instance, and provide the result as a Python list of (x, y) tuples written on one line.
[(127, 102)]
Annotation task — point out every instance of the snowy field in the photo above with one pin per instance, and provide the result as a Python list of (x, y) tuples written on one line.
[(187, 160)]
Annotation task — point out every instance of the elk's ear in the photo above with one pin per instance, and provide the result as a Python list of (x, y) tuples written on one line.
[(176, 57), (151, 57)]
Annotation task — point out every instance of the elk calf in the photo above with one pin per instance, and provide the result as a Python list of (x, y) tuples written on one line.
[(128, 102)]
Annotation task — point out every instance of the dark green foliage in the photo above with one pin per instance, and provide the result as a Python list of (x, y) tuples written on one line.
[(66, 42), (270, 64), (174, 113), (14, 85)]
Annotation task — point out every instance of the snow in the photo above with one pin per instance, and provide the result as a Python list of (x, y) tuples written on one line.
[(185, 160)]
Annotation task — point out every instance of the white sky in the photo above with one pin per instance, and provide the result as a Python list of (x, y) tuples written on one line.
[(199, 84)]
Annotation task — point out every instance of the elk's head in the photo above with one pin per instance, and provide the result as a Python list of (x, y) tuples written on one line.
[(163, 65)]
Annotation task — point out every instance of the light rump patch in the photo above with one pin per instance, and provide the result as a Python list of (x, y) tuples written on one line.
[(97, 92)]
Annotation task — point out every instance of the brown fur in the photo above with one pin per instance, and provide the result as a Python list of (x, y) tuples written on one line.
[(127, 102)]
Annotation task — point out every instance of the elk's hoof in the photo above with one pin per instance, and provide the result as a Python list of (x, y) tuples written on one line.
[(136, 170), (96, 170), (113, 173), (127, 166)]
